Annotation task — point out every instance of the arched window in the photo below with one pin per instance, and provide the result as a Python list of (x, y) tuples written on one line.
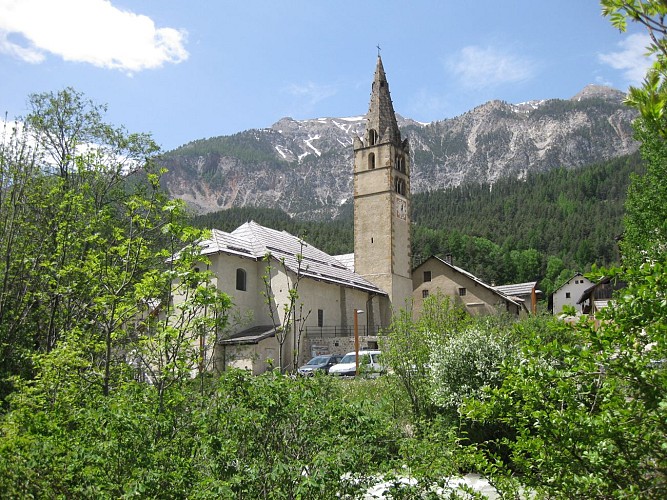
[(371, 161), (399, 186), (399, 163), (372, 137), (241, 279)]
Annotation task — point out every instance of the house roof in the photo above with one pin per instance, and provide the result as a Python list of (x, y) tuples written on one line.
[(381, 116), (517, 289), (347, 259), (250, 336), (255, 241), (474, 278), (602, 290), (575, 275)]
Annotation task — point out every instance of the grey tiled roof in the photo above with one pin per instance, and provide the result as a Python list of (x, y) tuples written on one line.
[(255, 241), (347, 259), (517, 289), (251, 335)]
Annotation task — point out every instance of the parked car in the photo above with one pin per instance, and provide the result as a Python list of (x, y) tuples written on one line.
[(369, 364), (319, 363)]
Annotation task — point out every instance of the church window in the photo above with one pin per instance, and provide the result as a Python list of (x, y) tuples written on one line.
[(462, 292), (371, 161), (241, 279), (372, 137), (399, 186), (320, 318), (427, 275), (399, 163)]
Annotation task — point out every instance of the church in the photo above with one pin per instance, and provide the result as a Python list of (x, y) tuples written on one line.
[(292, 301)]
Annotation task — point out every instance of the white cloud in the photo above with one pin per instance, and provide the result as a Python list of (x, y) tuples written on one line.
[(483, 67), (631, 59), (600, 80), (426, 104), (89, 31), (311, 92)]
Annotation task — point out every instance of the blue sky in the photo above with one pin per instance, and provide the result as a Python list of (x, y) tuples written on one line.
[(185, 70)]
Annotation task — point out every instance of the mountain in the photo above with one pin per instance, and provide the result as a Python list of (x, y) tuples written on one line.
[(304, 167)]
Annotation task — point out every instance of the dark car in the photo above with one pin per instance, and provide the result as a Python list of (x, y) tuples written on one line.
[(319, 363)]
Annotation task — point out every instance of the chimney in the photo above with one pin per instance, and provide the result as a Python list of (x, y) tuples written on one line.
[(448, 259)]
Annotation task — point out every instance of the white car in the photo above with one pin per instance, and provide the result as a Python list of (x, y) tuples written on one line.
[(369, 364)]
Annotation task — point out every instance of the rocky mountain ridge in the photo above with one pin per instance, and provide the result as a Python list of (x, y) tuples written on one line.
[(304, 167)]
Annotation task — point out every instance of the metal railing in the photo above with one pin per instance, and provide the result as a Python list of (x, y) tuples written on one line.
[(321, 332)]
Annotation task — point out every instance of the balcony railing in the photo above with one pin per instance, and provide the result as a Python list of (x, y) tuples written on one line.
[(315, 332)]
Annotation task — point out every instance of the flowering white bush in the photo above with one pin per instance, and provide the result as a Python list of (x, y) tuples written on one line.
[(463, 364)]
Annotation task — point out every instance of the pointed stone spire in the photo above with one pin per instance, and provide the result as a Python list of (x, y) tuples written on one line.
[(381, 126)]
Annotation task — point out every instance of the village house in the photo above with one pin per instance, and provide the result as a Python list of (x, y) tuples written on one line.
[(440, 276), (568, 294)]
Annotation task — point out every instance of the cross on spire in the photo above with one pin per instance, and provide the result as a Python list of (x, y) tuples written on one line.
[(379, 49)]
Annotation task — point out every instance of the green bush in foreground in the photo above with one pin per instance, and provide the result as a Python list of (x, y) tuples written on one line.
[(587, 403), (269, 436)]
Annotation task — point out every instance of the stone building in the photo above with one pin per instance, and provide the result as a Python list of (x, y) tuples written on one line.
[(440, 276)]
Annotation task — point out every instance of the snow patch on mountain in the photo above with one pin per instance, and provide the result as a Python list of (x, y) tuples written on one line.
[(309, 143)]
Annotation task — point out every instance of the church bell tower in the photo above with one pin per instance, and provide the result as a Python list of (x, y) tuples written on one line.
[(382, 252)]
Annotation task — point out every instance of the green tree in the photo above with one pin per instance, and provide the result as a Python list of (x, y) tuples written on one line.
[(86, 229), (586, 402), (269, 436), (645, 236), (287, 311), (650, 98), (645, 220)]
